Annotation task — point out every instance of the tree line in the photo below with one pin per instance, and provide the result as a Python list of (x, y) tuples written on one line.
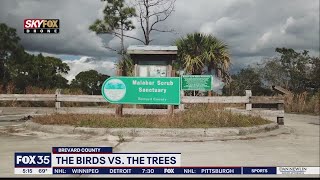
[(295, 71), (22, 70), (197, 54)]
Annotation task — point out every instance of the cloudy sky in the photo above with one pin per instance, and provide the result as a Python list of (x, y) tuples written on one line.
[(251, 28)]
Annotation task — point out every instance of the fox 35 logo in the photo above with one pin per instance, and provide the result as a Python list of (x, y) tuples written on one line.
[(40, 26), (31, 159)]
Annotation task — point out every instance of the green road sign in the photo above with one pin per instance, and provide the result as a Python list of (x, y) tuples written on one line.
[(196, 82), (142, 90)]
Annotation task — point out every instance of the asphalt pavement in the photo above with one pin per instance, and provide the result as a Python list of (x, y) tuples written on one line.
[(300, 147)]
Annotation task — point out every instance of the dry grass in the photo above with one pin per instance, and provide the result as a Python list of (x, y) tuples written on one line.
[(303, 103), (217, 105), (1, 89), (201, 116), (10, 88)]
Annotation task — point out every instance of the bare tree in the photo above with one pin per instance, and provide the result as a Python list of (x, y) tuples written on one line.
[(151, 13), (116, 21)]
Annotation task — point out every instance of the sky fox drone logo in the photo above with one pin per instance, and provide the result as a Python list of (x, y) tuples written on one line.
[(40, 26)]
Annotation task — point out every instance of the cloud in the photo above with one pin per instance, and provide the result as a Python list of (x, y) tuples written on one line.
[(75, 18), (87, 63), (251, 28)]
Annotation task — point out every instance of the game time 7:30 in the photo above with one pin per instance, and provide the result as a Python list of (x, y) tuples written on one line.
[(147, 171)]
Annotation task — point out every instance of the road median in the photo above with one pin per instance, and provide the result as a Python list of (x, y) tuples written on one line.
[(144, 132)]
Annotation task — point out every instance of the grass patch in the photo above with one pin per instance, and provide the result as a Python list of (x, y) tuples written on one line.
[(303, 103), (200, 116)]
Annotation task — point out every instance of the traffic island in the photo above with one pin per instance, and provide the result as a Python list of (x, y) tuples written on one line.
[(152, 132), (198, 121), (198, 116)]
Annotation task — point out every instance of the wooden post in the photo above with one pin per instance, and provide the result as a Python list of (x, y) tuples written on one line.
[(248, 105), (135, 69), (58, 103), (210, 91), (135, 74), (280, 118), (181, 106), (170, 74), (119, 107), (280, 106)]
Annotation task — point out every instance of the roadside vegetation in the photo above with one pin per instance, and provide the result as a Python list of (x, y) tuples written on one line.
[(303, 103), (199, 116), (297, 72), (22, 72)]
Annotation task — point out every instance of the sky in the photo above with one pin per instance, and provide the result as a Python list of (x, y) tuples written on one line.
[(251, 28)]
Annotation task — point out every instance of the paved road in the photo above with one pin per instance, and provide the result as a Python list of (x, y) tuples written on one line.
[(16, 139), (299, 148)]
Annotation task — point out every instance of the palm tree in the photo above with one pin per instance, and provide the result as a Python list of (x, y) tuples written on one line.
[(217, 57), (197, 51), (190, 53)]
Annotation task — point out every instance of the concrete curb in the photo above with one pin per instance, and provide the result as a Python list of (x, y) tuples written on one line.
[(147, 132)]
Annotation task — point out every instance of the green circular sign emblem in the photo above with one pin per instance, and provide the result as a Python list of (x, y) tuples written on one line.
[(113, 89)]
